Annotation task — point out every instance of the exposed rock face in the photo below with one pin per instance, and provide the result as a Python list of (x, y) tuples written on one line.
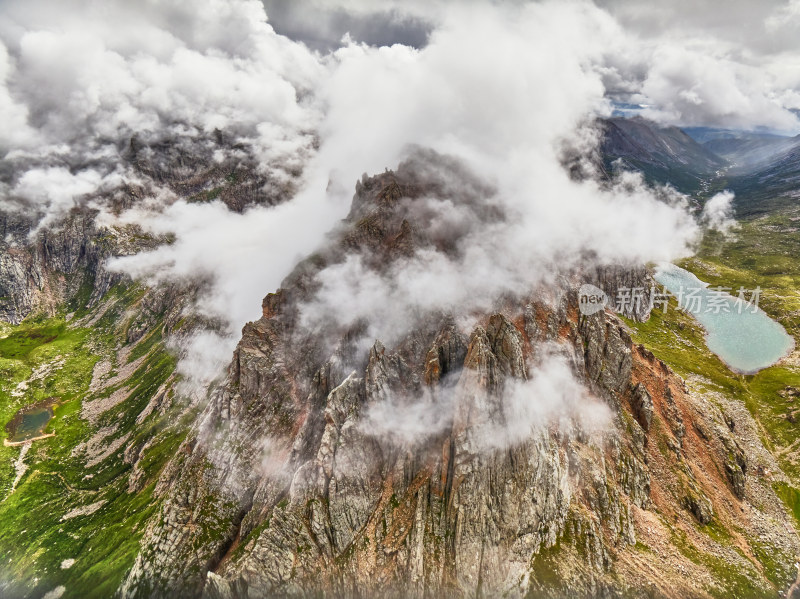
[(42, 269), (193, 169), (630, 289), (306, 477), (642, 405), (43, 272)]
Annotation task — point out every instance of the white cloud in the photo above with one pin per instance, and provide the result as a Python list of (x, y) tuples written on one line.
[(498, 86), (718, 212), (697, 85), (54, 191), (785, 16), (404, 421), (91, 77), (14, 128), (242, 256), (466, 94), (504, 118), (550, 396)]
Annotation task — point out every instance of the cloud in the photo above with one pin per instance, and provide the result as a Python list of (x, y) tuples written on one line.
[(717, 71), (689, 85), (14, 128), (715, 18), (782, 17), (379, 24), (203, 356), (718, 212), (242, 256), (500, 87), (54, 191), (707, 63), (551, 395), (78, 83), (404, 420), (466, 95)]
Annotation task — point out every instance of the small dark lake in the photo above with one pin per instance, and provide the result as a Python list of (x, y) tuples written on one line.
[(30, 422)]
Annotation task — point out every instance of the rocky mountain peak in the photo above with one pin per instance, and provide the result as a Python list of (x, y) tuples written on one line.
[(467, 453)]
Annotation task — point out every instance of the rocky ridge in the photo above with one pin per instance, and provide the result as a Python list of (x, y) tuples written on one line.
[(44, 268), (286, 488)]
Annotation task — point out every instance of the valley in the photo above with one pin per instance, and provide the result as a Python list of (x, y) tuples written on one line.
[(337, 299), (77, 496)]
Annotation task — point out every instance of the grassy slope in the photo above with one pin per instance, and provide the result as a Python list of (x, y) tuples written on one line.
[(762, 253), (34, 540)]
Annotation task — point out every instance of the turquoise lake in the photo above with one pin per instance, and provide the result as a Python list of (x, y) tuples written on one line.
[(746, 339)]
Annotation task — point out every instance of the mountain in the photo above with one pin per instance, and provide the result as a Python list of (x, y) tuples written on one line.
[(662, 154), (764, 168), (41, 270), (101, 352), (349, 499), (331, 462), (745, 150), (770, 186)]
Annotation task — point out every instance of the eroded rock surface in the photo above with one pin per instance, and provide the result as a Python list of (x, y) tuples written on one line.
[(292, 486)]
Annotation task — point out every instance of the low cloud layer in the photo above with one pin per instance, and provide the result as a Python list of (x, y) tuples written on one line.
[(505, 121), (79, 80), (500, 87), (464, 101), (551, 395)]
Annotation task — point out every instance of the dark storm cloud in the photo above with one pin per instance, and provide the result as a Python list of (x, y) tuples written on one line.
[(322, 26), (741, 22)]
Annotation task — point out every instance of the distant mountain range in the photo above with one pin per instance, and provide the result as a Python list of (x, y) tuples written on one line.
[(763, 169), (662, 154), (745, 149)]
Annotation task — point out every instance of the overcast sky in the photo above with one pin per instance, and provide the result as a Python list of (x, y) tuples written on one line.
[(691, 62), (766, 26), (322, 25)]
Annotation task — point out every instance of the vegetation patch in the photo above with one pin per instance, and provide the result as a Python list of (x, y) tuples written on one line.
[(62, 509)]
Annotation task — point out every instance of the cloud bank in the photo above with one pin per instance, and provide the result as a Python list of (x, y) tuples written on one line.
[(78, 80), (550, 395), (500, 87), (467, 95)]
